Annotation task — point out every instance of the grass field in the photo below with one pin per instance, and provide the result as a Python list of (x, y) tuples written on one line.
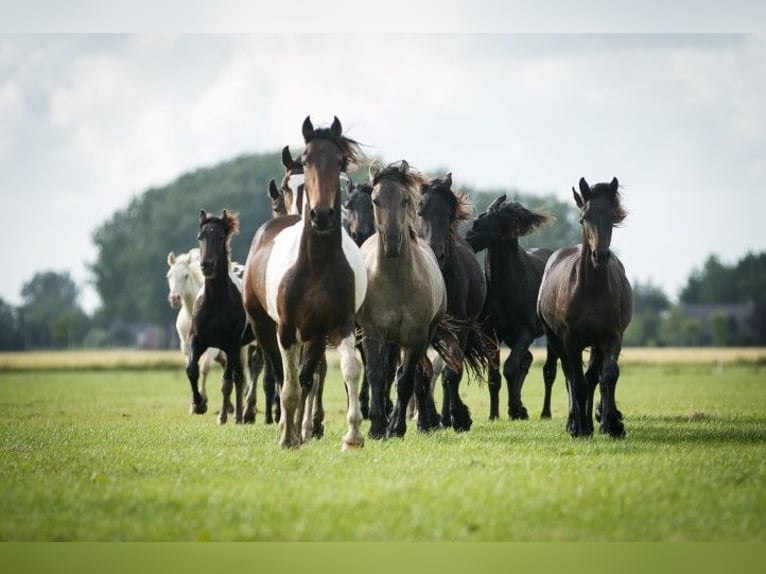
[(111, 454)]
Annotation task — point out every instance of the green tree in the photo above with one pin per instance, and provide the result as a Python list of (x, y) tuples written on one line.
[(50, 315), (129, 271), (11, 336)]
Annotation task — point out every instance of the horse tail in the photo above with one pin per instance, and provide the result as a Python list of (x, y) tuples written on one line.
[(479, 350), (445, 339)]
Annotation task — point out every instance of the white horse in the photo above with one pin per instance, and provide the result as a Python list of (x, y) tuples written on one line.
[(185, 283)]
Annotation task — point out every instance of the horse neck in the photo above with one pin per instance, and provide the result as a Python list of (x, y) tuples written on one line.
[(218, 285), (587, 275), (316, 247), (193, 285), (503, 254)]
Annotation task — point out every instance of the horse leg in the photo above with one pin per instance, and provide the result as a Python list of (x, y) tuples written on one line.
[(319, 378), (405, 386), (458, 412), (592, 374), (515, 370), (580, 424), (255, 366), (610, 372), (549, 375), (351, 371), (199, 402), (428, 418), (290, 397), (364, 394), (494, 382), (312, 353), (376, 353)]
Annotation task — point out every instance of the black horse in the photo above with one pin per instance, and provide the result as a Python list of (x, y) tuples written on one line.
[(510, 311), (585, 300), (218, 317), (440, 212)]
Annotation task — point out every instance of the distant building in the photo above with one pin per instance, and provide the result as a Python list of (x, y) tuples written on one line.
[(740, 329)]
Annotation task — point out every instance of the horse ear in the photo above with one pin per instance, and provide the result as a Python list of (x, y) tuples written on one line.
[(448, 180), (614, 185), (584, 189), (171, 258), (578, 199), (273, 191), (374, 171), (404, 167), (202, 216), (287, 159), (335, 128), (496, 203), (307, 129)]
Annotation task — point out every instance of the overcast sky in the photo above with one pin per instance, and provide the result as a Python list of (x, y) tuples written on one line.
[(89, 121)]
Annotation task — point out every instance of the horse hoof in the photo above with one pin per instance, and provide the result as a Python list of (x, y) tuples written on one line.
[(222, 420), (198, 408), (615, 430), (347, 445), (248, 418), (318, 431), (545, 415)]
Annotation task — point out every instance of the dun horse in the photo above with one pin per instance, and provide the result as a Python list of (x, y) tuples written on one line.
[(510, 310), (441, 211), (304, 281), (399, 262), (585, 300), (218, 319)]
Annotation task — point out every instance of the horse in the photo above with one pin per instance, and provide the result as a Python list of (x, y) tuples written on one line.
[(359, 220), (218, 317), (440, 213), (292, 185), (304, 282), (510, 311), (185, 282), (398, 261), (586, 300)]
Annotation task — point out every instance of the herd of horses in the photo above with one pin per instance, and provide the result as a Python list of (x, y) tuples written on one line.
[(382, 269)]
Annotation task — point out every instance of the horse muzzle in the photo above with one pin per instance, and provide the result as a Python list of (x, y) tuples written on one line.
[(322, 218), (175, 301), (392, 244), (601, 257)]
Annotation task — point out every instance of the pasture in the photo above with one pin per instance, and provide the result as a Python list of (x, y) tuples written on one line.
[(109, 452)]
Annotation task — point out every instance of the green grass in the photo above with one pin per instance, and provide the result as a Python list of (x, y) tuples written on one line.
[(113, 455)]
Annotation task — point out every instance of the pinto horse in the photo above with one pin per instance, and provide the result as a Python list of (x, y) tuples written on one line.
[(304, 281), (218, 318), (510, 310), (440, 213), (585, 300), (398, 261)]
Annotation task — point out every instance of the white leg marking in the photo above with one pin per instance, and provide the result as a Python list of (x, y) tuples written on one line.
[(351, 371), (290, 397)]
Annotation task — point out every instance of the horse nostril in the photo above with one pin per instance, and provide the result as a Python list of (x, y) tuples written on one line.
[(331, 212)]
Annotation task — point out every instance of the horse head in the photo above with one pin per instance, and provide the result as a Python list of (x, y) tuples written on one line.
[(504, 221), (183, 277), (600, 211), (441, 210), (394, 193), (214, 237), (278, 202), (292, 182), (360, 217), (327, 154)]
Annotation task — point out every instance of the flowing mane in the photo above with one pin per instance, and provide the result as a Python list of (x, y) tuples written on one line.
[(351, 149), (460, 203), (412, 180), (614, 196)]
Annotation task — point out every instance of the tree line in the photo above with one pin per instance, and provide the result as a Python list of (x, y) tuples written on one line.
[(720, 304)]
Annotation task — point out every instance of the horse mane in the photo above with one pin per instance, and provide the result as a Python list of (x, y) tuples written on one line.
[(615, 200), (351, 149), (523, 221), (229, 220), (461, 208), (411, 179)]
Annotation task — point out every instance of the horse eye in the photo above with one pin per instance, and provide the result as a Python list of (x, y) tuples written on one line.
[(405, 201)]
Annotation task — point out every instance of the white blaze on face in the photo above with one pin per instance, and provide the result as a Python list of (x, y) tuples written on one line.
[(293, 183)]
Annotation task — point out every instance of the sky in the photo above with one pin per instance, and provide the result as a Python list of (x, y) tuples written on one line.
[(89, 121)]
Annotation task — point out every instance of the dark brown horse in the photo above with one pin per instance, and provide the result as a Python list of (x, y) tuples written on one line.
[(304, 281), (585, 300), (440, 212), (405, 303), (510, 310), (218, 318)]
